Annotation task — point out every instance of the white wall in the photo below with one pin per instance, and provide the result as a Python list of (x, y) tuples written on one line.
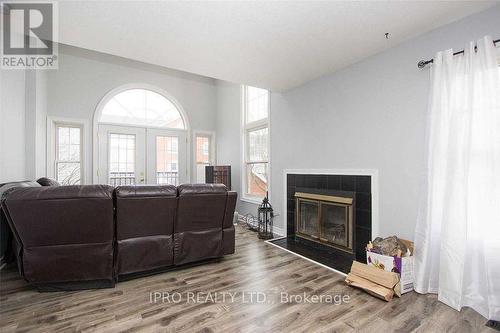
[(41, 125), (35, 123), (84, 77), (12, 125), (228, 130), (370, 115)]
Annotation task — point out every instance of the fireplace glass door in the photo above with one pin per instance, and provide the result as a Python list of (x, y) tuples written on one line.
[(334, 223), (308, 222), (325, 219)]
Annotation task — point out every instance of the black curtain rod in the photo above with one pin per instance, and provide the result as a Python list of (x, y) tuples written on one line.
[(423, 63)]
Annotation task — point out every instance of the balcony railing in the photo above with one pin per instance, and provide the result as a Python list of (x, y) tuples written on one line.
[(121, 178), (168, 177), (128, 178)]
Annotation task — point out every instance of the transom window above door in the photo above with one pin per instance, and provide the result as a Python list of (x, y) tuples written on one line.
[(142, 107)]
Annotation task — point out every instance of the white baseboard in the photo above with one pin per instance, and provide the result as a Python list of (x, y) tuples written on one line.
[(277, 231)]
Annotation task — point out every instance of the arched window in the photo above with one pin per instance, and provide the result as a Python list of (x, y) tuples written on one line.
[(142, 107)]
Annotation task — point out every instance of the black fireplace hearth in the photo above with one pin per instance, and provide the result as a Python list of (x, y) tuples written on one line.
[(357, 187)]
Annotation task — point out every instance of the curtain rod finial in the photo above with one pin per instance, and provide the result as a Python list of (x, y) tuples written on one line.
[(421, 64)]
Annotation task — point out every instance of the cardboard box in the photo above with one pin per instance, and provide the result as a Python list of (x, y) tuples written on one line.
[(401, 265)]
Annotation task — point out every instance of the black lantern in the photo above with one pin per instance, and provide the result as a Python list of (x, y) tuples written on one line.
[(266, 216)]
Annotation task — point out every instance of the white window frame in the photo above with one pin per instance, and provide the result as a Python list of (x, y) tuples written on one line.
[(85, 160), (245, 129), (212, 150), (93, 157)]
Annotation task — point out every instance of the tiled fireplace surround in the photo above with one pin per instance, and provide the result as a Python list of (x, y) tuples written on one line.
[(360, 183)]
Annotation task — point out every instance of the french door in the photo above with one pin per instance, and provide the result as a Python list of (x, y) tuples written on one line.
[(166, 152), (133, 155)]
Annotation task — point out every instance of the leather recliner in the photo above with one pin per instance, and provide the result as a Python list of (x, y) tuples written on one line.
[(145, 218), (79, 237), (66, 235), (198, 227)]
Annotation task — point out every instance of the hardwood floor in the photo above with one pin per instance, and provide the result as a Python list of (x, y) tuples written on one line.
[(255, 267)]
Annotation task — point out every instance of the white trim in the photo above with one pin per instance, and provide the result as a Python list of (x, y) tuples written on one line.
[(278, 231), (244, 127), (251, 200), (301, 256), (86, 144), (258, 124), (110, 94), (373, 173), (213, 149)]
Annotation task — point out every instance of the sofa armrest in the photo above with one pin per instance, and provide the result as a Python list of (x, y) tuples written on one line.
[(232, 196)]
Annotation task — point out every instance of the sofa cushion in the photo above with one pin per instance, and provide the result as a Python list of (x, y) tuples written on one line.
[(198, 227), (145, 210), (199, 245), (44, 181), (145, 217), (145, 191), (200, 207)]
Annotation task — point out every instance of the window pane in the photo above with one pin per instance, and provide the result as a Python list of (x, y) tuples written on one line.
[(121, 159), (167, 159), (257, 145), (256, 174), (142, 107), (202, 149), (63, 135), (63, 152), (68, 173), (68, 141), (257, 103), (74, 135), (74, 153)]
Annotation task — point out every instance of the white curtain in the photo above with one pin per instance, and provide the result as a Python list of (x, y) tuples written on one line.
[(457, 236)]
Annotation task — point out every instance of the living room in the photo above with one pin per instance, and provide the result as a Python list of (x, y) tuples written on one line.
[(211, 166)]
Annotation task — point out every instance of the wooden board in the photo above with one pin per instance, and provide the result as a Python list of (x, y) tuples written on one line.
[(371, 287), (377, 275)]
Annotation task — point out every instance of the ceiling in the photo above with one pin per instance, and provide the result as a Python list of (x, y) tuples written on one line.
[(274, 45)]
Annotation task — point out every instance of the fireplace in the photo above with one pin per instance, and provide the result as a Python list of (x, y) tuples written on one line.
[(325, 218), (336, 212)]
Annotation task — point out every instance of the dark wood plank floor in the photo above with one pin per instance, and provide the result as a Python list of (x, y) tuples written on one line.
[(256, 267)]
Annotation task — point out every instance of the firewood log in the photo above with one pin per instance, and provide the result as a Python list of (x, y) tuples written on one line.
[(370, 287), (377, 275)]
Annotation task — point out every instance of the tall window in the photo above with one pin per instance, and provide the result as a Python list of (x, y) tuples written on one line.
[(68, 162), (256, 142), (203, 155)]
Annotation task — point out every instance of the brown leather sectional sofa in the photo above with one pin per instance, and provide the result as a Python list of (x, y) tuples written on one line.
[(78, 237)]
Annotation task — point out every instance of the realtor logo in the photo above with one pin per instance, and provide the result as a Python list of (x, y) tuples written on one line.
[(28, 32)]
